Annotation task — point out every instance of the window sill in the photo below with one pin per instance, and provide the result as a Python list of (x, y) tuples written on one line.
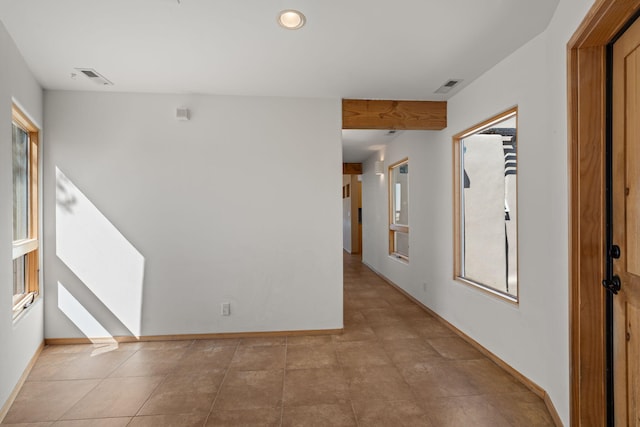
[(23, 305), (399, 258), (486, 289), (23, 247)]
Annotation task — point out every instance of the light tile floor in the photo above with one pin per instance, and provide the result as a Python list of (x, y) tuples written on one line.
[(394, 365)]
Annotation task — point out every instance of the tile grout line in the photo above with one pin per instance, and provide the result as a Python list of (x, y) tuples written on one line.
[(164, 378), (379, 340), (413, 393), (101, 380), (416, 398), (335, 350), (132, 354), (122, 363), (226, 371)]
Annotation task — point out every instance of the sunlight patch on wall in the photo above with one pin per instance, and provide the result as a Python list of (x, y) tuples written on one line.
[(99, 255), (80, 317)]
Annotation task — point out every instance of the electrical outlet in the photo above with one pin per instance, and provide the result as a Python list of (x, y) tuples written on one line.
[(226, 309), (424, 286)]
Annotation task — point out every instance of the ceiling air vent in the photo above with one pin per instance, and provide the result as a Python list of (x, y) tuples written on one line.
[(450, 84), (95, 77)]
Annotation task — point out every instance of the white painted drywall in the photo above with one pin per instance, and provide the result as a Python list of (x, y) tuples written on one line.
[(20, 340), (206, 209), (533, 337)]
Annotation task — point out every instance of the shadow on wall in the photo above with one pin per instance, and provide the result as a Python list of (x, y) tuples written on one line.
[(111, 269)]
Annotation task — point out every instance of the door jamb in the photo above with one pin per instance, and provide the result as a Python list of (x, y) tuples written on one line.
[(587, 115)]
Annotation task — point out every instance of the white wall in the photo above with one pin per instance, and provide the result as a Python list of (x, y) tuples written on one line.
[(534, 336), (204, 211), (424, 184), (20, 340)]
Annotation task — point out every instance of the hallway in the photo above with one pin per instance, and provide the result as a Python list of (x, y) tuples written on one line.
[(393, 365)]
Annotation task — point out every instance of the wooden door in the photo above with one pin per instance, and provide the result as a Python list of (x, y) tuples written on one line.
[(626, 225)]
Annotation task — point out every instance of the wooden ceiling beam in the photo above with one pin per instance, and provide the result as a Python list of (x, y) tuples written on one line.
[(387, 114), (352, 168)]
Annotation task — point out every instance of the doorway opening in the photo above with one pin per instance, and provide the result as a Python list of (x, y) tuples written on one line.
[(587, 126)]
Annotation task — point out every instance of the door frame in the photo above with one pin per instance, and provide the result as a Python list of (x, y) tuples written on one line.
[(587, 127)]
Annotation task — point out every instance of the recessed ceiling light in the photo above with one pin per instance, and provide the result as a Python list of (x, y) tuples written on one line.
[(291, 19)]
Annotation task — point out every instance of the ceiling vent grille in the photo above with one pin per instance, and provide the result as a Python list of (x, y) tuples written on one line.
[(95, 77), (450, 84)]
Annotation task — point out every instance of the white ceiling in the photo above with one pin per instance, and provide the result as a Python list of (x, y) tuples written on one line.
[(359, 144), (400, 49)]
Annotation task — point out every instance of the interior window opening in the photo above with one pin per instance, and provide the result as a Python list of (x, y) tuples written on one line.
[(24, 148), (399, 210), (486, 206)]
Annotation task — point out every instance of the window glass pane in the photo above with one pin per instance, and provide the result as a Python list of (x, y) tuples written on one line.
[(20, 144), (19, 276), (400, 188), (401, 243), (488, 207)]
